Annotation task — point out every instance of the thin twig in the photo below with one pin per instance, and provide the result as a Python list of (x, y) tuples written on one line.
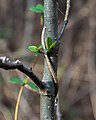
[(59, 9), (7, 64), (18, 102), (51, 69), (65, 21), (46, 57), (43, 39)]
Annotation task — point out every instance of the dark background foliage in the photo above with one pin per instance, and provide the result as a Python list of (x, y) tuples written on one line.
[(19, 27)]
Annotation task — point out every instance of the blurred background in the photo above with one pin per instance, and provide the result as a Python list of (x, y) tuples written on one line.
[(19, 27)]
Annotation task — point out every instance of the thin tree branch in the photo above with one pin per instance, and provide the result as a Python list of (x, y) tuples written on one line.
[(7, 64), (65, 21), (18, 103), (43, 39)]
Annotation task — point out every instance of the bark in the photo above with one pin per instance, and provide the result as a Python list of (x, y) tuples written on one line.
[(47, 104)]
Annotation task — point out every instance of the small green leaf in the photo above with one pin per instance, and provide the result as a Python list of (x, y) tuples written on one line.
[(53, 45), (35, 10), (40, 6), (32, 85), (39, 47), (38, 9), (33, 48), (15, 80), (48, 42)]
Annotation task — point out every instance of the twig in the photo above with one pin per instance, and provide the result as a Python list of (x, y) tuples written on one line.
[(65, 21), (43, 39), (18, 102), (46, 57), (6, 64), (59, 9), (51, 69)]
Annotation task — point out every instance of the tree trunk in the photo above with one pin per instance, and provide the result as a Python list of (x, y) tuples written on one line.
[(47, 104)]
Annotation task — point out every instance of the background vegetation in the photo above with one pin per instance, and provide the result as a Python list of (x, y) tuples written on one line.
[(19, 27)]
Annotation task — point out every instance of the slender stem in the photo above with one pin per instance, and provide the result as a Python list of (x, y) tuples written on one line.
[(43, 39), (67, 9), (18, 103), (51, 69), (65, 21)]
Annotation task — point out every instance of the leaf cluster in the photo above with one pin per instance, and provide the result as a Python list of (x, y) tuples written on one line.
[(35, 49), (38, 49), (39, 9)]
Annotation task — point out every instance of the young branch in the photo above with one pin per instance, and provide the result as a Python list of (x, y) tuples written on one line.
[(7, 64), (18, 102), (65, 21), (43, 39)]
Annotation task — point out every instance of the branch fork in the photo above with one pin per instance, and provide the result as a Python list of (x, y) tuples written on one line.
[(7, 64)]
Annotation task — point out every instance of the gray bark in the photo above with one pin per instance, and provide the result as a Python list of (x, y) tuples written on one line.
[(47, 104)]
